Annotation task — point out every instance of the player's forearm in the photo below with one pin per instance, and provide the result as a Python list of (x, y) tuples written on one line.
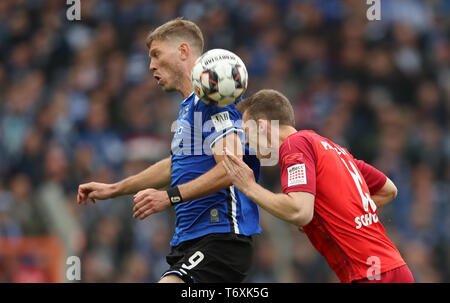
[(382, 200), (386, 194), (210, 182), (216, 178), (279, 205), (156, 176)]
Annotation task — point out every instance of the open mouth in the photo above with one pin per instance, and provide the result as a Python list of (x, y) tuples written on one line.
[(158, 78)]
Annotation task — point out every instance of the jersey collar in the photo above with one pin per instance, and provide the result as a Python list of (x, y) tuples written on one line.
[(187, 98)]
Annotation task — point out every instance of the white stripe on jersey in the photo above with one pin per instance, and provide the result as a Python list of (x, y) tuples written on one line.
[(196, 99), (233, 129), (172, 272), (234, 209)]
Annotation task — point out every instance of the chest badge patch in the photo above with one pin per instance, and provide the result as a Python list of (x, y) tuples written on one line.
[(221, 121), (214, 216)]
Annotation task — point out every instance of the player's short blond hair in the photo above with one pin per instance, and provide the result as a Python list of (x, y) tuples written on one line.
[(268, 104), (179, 29)]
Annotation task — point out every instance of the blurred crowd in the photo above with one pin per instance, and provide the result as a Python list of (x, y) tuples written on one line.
[(78, 104)]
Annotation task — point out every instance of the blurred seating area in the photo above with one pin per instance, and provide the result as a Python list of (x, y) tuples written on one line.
[(78, 104)]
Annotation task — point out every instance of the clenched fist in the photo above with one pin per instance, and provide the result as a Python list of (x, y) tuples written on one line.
[(93, 191)]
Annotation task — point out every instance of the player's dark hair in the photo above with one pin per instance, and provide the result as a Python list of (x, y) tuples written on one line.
[(268, 104), (178, 29)]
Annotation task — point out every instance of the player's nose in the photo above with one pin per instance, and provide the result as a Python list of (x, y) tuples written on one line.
[(152, 66)]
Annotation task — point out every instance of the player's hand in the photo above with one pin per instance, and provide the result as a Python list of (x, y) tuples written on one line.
[(239, 173), (93, 191), (149, 201)]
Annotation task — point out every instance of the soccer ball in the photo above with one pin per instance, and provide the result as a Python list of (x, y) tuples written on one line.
[(219, 77)]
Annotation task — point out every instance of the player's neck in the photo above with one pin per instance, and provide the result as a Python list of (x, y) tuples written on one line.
[(186, 92), (285, 131), (186, 85)]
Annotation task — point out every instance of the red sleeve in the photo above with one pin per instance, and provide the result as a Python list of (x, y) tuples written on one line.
[(298, 165), (375, 179)]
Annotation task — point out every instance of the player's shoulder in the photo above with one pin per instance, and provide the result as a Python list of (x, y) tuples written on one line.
[(299, 138), (298, 145), (209, 110), (309, 134)]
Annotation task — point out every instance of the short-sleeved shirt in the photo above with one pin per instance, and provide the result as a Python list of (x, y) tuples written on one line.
[(345, 227), (198, 128)]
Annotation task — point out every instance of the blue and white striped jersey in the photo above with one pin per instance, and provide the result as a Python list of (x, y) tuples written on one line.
[(199, 126)]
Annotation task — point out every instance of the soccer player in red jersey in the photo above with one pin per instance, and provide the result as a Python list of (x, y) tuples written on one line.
[(330, 195)]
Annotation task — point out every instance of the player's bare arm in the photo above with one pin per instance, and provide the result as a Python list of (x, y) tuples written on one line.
[(202, 186), (386, 194), (295, 207), (155, 176), (151, 201)]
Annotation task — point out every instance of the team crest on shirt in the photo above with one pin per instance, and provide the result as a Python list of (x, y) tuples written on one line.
[(296, 174)]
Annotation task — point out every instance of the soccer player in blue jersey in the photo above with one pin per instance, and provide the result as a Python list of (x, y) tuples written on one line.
[(214, 221)]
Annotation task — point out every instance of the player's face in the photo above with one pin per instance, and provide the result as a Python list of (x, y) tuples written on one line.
[(164, 64), (256, 136), (250, 129)]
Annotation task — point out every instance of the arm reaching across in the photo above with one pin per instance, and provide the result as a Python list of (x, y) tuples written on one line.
[(295, 207), (203, 186), (151, 201), (155, 176)]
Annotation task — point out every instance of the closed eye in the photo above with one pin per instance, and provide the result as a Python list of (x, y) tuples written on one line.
[(154, 54)]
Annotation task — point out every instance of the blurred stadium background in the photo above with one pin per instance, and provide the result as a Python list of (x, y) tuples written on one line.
[(78, 104)]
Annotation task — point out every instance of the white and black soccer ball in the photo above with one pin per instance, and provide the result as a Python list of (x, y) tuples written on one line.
[(219, 77)]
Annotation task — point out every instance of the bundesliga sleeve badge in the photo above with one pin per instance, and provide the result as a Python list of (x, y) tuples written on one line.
[(296, 174)]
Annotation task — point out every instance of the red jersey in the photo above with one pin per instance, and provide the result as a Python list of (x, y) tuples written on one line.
[(345, 227)]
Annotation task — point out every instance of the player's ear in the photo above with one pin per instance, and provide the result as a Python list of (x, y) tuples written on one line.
[(184, 51)]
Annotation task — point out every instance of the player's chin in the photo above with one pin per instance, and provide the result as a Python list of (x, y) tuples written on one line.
[(167, 87)]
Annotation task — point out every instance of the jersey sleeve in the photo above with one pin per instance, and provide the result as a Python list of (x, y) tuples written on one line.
[(374, 178), (298, 166), (220, 122)]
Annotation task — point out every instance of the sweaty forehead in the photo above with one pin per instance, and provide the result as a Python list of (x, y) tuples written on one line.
[(153, 46)]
